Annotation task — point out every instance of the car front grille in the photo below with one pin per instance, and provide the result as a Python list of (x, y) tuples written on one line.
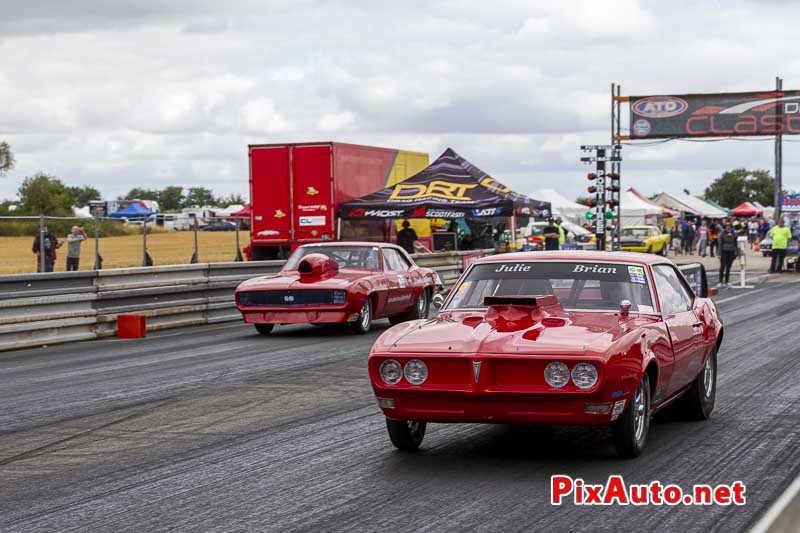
[(291, 298)]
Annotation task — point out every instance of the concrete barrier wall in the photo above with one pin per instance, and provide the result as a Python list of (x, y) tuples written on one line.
[(48, 308)]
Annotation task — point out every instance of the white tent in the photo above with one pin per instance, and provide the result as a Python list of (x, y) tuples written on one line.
[(561, 206), (637, 212), (688, 204), (82, 212)]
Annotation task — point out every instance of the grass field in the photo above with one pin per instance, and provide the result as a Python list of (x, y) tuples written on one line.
[(166, 248)]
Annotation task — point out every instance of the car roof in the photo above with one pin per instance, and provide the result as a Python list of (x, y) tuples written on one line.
[(578, 255), (351, 243)]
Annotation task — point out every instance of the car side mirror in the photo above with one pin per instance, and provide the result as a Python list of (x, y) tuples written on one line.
[(439, 298)]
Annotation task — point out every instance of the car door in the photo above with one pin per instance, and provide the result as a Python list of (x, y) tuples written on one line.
[(685, 329), (402, 286)]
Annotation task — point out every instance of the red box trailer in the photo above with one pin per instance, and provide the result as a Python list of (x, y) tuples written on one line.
[(295, 191)]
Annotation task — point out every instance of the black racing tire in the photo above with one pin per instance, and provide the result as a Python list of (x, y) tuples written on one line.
[(405, 434), (650, 249), (264, 329), (698, 402), (630, 432), (418, 310), (364, 321), (663, 251)]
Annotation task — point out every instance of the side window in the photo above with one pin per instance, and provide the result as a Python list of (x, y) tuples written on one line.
[(394, 262), (672, 294)]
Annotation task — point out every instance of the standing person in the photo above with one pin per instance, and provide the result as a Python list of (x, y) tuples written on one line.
[(688, 235), (780, 235), (406, 237), (703, 236), (76, 236), (46, 244), (752, 232), (550, 234), (728, 250), (713, 235), (562, 236), (675, 237)]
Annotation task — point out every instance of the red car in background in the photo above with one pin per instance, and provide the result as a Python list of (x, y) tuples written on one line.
[(569, 337), (339, 282)]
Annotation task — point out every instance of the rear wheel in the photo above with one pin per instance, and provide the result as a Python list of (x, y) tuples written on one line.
[(630, 433), (698, 402), (419, 310), (264, 329), (405, 434), (664, 250), (364, 321)]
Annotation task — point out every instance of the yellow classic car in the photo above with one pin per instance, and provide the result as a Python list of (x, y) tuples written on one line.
[(647, 239)]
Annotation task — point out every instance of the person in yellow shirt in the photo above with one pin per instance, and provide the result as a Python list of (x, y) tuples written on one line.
[(562, 236), (780, 236)]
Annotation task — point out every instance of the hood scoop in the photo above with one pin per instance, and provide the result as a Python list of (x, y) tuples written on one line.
[(315, 266), (515, 313)]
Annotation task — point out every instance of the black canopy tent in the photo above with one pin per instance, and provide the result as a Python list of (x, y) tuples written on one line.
[(451, 187)]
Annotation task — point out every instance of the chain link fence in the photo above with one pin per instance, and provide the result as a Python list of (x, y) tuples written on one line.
[(43, 243)]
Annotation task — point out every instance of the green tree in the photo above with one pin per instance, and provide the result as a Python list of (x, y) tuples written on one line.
[(138, 193), (43, 194), (6, 158), (171, 198), (84, 195), (231, 199), (742, 185), (199, 196)]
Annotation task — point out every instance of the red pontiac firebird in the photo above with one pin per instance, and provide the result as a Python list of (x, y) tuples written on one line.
[(562, 338), (347, 282)]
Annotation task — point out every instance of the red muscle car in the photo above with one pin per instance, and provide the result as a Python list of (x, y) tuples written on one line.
[(569, 337), (347, 282)]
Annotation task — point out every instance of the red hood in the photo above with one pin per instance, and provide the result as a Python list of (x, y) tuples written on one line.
[(469, 332), (291, 279)]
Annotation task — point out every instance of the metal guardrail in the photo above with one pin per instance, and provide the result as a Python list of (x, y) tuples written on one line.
[(48, 308)]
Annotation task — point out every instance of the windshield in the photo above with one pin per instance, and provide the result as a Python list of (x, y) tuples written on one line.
[(365, 257), (576, 284), (635, 232)]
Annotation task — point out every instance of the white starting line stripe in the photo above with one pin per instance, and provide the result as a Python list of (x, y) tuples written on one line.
[(784, 514)]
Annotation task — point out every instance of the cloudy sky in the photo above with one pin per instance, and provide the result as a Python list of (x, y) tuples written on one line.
[(152, 93)]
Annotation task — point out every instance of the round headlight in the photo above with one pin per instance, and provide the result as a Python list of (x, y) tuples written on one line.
[(416, 372), (391, 372), (556, 374), (584, 375)]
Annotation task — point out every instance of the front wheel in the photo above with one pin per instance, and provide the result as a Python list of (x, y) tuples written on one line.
[(698, 402), (264, 329), (405, 434), (364, 321), (630, 432)]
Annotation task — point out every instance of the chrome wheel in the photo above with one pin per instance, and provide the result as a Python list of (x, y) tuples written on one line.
[(708, 378), (364, 321), (639, 412)]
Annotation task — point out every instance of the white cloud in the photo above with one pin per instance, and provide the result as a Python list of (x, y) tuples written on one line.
[(153, 93)]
